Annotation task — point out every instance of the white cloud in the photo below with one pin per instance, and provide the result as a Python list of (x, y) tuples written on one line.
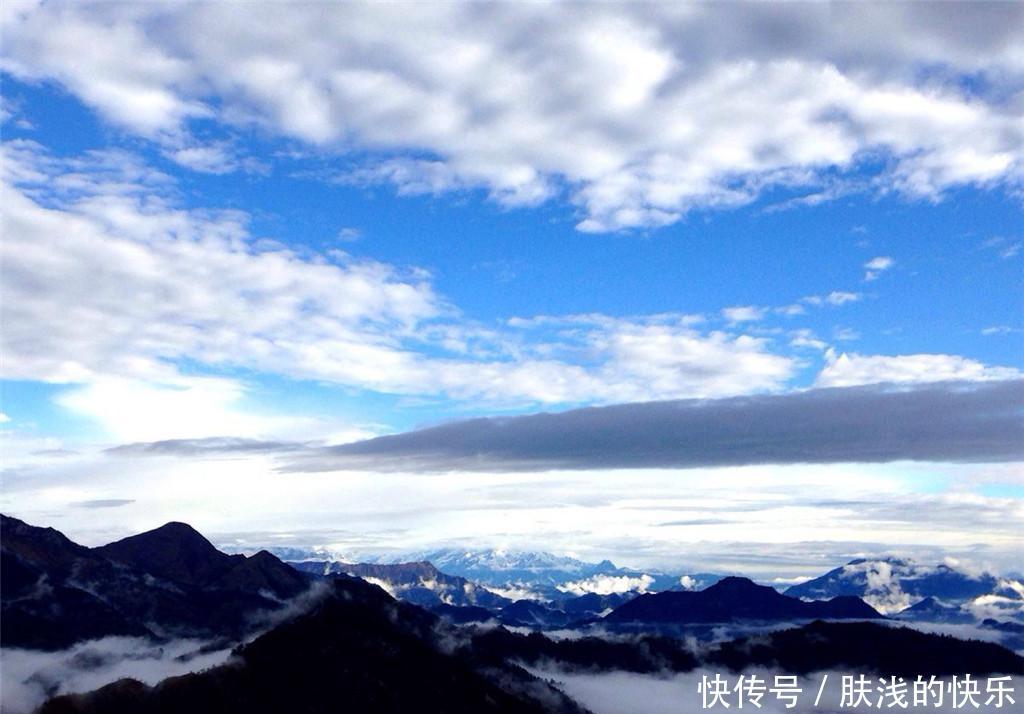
[(806, 338), (30, 677), (188, 407), (743, 313), (349, 234), (848, 369), (638, 112), (839, 297), (876, 266), (608, 584), (108, 284), (999, 330), (687, 582)]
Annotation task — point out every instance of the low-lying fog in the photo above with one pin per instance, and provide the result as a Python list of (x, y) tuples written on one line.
[(29, 677)]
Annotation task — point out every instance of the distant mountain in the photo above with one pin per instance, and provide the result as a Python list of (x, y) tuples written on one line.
[(169, 580), (894, 584), (866, 646), (462, 600), (357, 650), (351, 646), (573, 612), (419, 583), (360, 650), (732, 599), (545, 576), (1012, 632), (852, 647), (932, 609)]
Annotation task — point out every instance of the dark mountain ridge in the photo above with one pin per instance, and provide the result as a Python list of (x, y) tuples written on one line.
[(355, 650), (732, 599), (168, 581)]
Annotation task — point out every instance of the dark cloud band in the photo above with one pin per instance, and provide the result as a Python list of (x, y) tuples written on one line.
[(953, 422)]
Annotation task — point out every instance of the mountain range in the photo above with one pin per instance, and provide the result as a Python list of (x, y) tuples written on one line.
[(308, 643), (895, 587), (898, 586), (357, 650), (461, 600), (170, 581), (735, 599), (517, 575)]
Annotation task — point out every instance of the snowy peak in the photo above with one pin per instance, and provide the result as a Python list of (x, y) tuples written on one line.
[(892, 585)]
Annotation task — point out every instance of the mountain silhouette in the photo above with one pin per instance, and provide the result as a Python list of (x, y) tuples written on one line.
[(170, 580), (417, 582), (866, 578), (357, 650), (731, 599), (866, 646)]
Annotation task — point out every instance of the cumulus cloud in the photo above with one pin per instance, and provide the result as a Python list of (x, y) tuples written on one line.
[(943, 422), (638, 113), (876, 266), (608, 584), (849, 369)]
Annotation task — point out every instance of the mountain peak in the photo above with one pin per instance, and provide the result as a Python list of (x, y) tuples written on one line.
[(738, 585), (175, 551)]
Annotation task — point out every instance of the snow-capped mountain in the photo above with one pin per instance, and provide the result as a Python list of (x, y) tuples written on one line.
[(515, 574), (897, 585), (417, 582), (539, 575)]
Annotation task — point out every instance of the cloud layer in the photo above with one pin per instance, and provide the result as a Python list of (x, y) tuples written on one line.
[(943, 422), (109, 283), (635, 113)]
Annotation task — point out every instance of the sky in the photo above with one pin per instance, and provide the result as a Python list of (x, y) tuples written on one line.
[(786, 239)]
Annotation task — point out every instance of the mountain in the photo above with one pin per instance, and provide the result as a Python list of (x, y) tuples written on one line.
[(419, 583), (168, 581), (866, 646), (540, 575), (852, 647), (347, 644), (1012, 632), (178, 553), (461, 600), (356, 650), (573, 612), (894, 584), (732, 599), (932, 609)]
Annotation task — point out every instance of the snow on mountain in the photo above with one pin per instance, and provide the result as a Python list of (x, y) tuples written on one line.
[(417, 582), (894, 585), (538, 575)]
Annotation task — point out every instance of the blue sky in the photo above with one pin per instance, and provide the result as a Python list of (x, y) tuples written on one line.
[(280, 234)]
